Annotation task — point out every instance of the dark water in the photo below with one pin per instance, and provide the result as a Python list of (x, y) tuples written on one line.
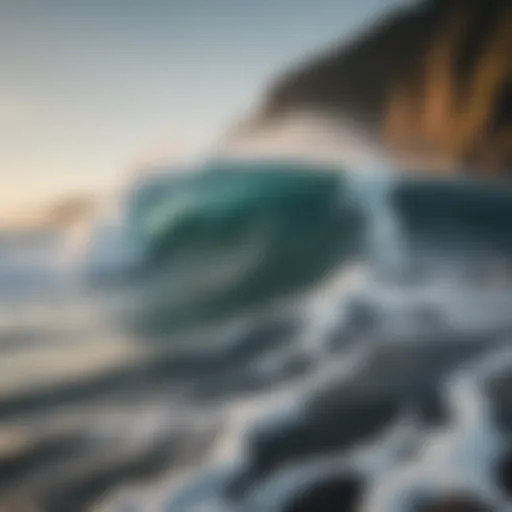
[(360, 362)]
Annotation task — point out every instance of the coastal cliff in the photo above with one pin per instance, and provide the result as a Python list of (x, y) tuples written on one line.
[(428, 83)]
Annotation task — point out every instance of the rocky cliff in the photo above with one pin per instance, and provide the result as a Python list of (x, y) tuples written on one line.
[(429, 82)]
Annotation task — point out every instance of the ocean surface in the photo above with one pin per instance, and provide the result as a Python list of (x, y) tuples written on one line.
[(263, 342)]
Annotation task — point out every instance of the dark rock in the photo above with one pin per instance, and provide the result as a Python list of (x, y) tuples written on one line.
[(503, 473), (455, 503), (329, 495)]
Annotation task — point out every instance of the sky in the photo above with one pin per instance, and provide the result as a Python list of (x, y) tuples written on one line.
[(89, 90)]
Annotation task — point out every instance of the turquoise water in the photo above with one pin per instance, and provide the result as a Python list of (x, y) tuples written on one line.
[(273, 229)]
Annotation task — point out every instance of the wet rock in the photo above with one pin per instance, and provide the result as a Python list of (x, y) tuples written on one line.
[(329, 495), (455, 503), (503, 473)]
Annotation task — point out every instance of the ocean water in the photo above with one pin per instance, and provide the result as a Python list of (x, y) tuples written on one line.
[(269, 337)]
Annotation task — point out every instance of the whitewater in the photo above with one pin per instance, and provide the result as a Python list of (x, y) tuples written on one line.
[(381, 383)]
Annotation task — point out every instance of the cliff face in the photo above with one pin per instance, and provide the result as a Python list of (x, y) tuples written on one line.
[(433, 82)]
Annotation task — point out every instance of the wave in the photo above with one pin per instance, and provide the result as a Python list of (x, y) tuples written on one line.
[(238, 234), (330, 338), (231, 237)]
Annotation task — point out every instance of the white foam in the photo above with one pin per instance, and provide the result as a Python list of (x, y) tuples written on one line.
[(459, 457)]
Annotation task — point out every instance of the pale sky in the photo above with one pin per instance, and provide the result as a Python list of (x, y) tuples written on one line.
[(88, 88)]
